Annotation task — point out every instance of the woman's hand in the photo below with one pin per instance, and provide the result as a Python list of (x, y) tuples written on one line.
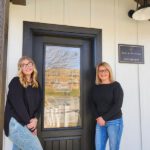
[(34, 132), (100, 121), (33, 123)]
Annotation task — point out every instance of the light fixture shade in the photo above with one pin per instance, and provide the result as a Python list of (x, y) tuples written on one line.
[(142, 14)]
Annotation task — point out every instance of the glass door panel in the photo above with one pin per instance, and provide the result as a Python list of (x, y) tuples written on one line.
[(62, 87)]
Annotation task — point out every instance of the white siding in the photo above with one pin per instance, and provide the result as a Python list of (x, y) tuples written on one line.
[(128, 75), (117, 28), (144, 82)]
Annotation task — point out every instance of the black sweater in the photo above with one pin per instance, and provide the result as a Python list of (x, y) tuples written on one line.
[(22, 103), (107, 101)]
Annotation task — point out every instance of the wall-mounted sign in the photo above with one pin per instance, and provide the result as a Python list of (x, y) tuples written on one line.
[(131, 54)]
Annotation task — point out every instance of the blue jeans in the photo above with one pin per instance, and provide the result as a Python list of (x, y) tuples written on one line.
[(22, 138), (112, 131)]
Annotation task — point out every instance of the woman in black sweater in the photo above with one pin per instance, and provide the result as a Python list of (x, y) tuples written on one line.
[(107, 98), (23, 107)]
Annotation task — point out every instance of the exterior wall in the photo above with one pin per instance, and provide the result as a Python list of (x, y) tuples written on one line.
[(117, 27)]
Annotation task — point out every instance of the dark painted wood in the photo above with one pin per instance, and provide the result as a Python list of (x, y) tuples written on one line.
[(48, 145), (31, 28), (63, 144), (69, 145), (4, 8), (18, 2), (35, 37), (56, 145), (77, 145), (85, 62)]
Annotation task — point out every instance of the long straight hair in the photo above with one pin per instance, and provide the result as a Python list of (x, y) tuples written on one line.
[(107, 66), (21, 75)]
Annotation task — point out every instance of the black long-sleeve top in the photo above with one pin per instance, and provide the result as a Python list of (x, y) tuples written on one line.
[(22, 103), (107, 101)]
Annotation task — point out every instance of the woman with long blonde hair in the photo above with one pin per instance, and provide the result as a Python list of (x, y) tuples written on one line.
[(23, 107), (107, 98)]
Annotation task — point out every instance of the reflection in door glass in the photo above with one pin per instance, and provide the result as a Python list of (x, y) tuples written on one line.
[(62, 87)]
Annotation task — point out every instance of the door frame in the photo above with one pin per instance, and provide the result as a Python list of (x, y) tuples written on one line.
[(32, 29)]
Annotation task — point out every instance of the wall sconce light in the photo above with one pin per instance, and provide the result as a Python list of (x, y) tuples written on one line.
[(141, 13)]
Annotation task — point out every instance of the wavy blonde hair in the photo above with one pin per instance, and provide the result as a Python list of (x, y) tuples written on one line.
[(107, 66), (21, 75)]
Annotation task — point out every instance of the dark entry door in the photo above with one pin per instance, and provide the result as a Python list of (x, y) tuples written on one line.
[(66, 72), (66, 58)]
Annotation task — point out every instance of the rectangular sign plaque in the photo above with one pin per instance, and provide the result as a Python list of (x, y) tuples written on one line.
[(131, 53)]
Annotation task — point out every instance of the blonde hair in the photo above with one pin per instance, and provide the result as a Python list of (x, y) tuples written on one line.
[(107, 66), (21, 75)]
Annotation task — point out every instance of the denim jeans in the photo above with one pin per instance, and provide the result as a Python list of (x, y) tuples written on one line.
[(22, 138), (112, 131)]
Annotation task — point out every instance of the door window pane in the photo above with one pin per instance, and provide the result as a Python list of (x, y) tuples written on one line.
[(62, 87)]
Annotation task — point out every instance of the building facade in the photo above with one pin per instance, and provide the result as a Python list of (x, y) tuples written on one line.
[(117, 28)]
